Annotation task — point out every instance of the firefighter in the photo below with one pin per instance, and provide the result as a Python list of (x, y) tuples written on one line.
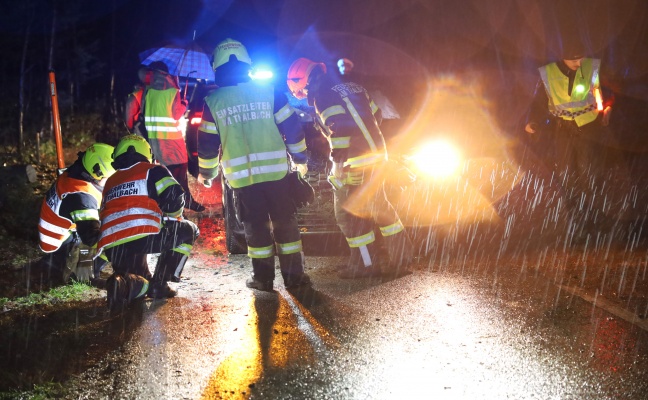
[(69, 217), (358, 149), (345, 66), (255, 128), (133, 116), (142, 214), (571, 112), (161, 105)]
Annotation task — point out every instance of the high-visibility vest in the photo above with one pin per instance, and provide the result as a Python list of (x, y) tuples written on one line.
[(164, 133), (128, 212), (53, 229), (580, 106), (253, 148)]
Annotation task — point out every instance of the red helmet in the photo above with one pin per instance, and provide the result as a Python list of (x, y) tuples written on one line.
[(298, 74)]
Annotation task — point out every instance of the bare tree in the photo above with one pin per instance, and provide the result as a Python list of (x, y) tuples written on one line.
[(21, 88)]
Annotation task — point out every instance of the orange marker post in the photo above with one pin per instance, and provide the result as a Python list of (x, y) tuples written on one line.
[(56, 121)]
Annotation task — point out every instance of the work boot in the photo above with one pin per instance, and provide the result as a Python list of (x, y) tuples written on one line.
[(116, 293), (357, 272), (395, 272), (397, 269), (264, 285), (161, 290), (124, 290), (294, 282)]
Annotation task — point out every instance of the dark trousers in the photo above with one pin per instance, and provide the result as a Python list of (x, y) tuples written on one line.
[(359, 210), (130, 257), (268, 214), (585, 159), (179, 172)]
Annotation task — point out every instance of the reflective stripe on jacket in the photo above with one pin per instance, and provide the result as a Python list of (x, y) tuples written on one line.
[(54, 229), (347, 113), (253, 149), (164, 133), (128, 212), (580, 106)]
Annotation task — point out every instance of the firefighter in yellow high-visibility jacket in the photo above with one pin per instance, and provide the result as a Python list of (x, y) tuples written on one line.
[(250, 132)]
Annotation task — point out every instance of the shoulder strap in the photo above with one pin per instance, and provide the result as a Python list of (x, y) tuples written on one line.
[(143, 102)]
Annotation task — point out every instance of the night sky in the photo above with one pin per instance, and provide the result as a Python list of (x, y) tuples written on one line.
[(395, 39), (439, 34)]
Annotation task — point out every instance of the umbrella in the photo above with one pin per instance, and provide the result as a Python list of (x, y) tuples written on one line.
[(183, 61)]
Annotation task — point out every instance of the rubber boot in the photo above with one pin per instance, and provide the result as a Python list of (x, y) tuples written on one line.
[(292, 270), (263, 273), (400, 250), (363, 263), (123, 290), (169, 268)]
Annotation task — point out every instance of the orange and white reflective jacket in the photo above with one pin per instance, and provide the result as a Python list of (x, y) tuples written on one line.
[(54, 229), (128, 212)]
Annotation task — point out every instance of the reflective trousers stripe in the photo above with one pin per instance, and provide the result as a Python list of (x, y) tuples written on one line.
[(392, 229), (261, 252), (362, 240), (289, 248)]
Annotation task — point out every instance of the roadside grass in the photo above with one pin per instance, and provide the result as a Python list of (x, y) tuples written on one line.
[(50, 390), (71, 292)]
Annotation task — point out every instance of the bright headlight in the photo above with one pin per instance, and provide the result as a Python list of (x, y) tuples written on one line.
[(438, 159)]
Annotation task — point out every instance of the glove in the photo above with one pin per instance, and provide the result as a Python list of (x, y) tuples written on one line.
[(337, 170), (339, 177), (207, 182), (353, 178), (336, 177), (84, 269), (302, 169), (84, 273)]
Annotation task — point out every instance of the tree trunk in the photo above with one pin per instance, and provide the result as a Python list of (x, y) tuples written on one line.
[(112, 62), (21, 90)]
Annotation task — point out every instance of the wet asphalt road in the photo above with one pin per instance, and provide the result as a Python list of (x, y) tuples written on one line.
[(477, 333)]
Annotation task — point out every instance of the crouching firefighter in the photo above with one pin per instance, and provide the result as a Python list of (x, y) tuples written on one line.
[(69, 218), (142, 214)]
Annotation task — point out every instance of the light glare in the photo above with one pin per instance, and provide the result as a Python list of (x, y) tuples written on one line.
[(261, 74), (438, 159)]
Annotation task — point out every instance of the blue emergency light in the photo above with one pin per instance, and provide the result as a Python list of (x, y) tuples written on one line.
[(261, 73)]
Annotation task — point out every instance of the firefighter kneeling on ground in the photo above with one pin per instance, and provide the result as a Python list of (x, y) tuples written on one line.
[(69, 217), (142, 214), (358, 152)]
